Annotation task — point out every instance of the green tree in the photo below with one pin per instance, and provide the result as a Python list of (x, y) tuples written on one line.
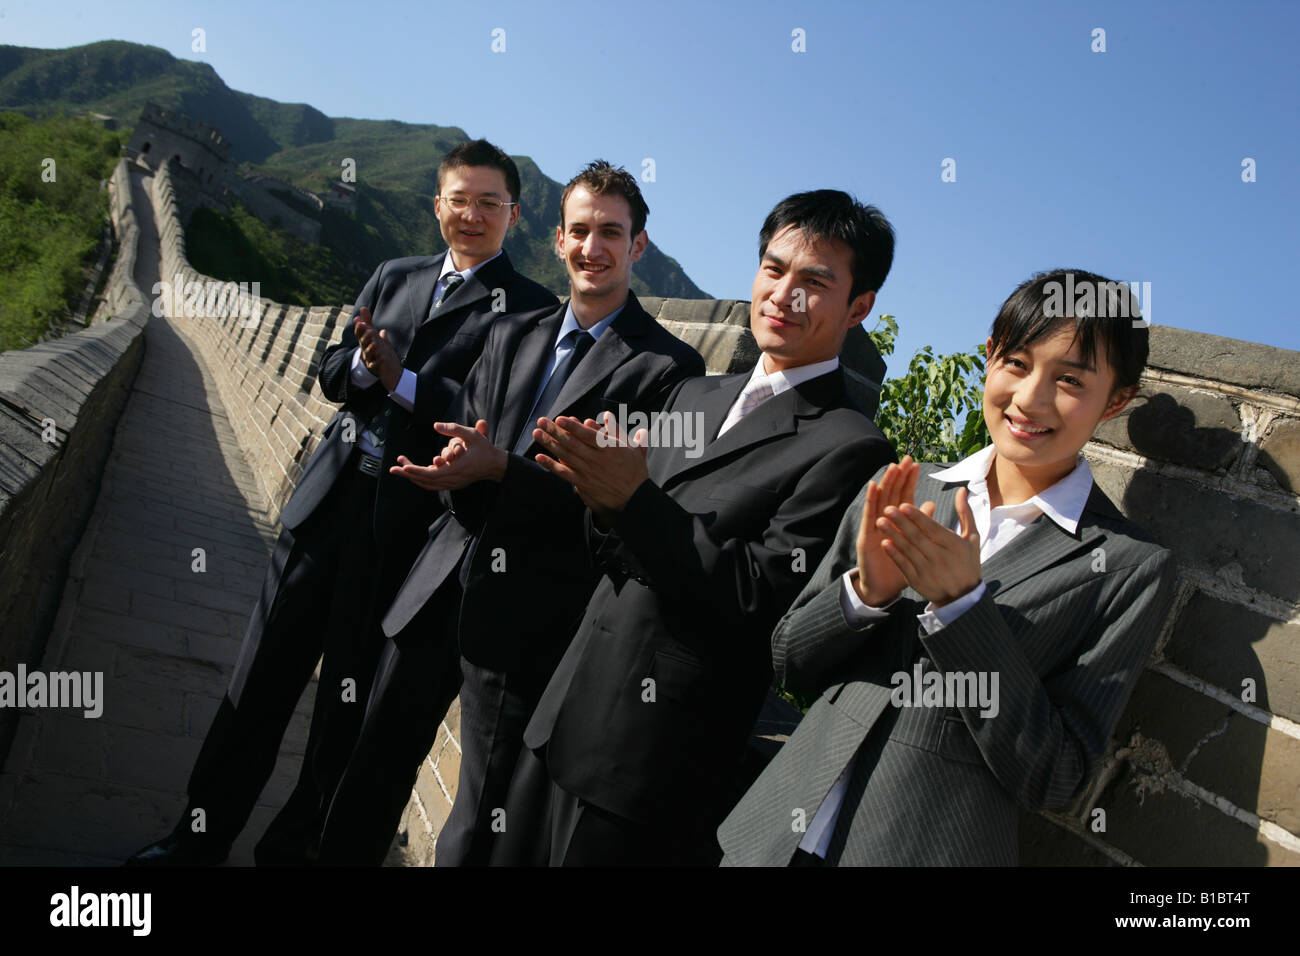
[(935, 410)]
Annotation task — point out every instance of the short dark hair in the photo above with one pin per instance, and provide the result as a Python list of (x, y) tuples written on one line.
[(1043, 303), (834, 214), (604, 179), (479, 152)]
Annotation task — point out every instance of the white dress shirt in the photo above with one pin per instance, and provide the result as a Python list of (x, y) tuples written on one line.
[(1063, 503), (404, 394), (778, 382)]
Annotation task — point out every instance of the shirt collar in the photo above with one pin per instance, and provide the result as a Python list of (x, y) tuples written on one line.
[(448, 268), (1063, 502), (784, 380), (570, 323)]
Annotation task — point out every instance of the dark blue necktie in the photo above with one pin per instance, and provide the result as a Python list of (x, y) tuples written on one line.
[(581, 343)]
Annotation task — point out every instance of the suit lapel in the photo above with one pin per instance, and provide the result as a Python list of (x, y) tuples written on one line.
[(1035, 550), (473, 290), (775, 417), (525, 373), (610, 351)]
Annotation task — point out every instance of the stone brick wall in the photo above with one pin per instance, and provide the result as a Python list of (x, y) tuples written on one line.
[(59, 403), (1206, 766)]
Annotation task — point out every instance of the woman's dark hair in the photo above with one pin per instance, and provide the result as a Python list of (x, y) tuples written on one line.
[(1105, 314)]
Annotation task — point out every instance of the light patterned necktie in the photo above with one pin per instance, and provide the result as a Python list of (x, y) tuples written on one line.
[(756, 393)]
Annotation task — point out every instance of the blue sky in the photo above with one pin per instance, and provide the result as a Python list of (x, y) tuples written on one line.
[(1126, 162)]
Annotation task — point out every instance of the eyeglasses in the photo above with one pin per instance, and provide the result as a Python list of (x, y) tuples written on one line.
[(486, 204)]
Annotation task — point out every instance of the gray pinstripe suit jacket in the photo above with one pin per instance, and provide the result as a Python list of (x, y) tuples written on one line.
[(1066, 621)]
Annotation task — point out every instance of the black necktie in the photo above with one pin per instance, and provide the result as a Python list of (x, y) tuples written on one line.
[(581, 343), (454, 281)]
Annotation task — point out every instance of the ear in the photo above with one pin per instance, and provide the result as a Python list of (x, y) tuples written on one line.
[(559, 242), (638, 246), (1118, 402), (860, 308), (514, 215)]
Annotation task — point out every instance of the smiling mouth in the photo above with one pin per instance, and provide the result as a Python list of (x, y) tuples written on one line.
[(589, 267), (1024, 428)]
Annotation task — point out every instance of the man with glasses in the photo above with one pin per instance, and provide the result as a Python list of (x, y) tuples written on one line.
[(352, 529)]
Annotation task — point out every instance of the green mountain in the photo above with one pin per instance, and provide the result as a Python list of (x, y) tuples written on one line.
[(395, 162)]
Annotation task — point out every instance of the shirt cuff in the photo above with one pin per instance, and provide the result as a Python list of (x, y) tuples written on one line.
[(857, 613), (933, 618), (362, 377), (404, 394)]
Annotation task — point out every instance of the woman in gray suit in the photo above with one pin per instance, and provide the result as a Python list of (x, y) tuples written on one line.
[(972, 654)]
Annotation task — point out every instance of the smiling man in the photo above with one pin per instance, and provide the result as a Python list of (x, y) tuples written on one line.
[(635, 744), (505, 573), (351, 529)]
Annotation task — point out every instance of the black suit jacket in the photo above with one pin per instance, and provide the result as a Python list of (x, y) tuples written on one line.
[(650, 710), (440, 348), (528, 572)]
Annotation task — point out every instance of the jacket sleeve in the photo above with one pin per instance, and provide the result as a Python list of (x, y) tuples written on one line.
[(334, 373), (1048, 734), (737, 585), (813, 641)]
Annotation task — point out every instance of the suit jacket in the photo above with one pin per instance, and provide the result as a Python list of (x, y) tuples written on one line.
[(703, 560), (440, 347), (528, 572), (1067, 621)]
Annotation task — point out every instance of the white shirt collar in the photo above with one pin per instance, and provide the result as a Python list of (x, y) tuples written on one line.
[(782, 381), (448, 268), (1063, 502)]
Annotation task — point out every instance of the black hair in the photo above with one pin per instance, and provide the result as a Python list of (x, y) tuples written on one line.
[(833, 214), (479, 152), (1104, 314)]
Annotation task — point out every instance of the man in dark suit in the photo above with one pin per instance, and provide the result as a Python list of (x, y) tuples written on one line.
[(513, 537), (635, 743), (973, 654), (351, 529)]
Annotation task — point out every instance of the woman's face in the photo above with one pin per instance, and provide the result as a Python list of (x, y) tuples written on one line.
[(1043, 401)]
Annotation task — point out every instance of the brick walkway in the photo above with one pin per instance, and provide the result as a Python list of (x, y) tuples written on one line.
[(91, 791)]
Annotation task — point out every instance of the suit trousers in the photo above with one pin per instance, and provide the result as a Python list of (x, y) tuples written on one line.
[(416, 680), (494, 710), (322, 594), (548, 826)]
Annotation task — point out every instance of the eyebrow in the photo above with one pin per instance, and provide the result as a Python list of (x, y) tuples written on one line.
[(1082, 366), (822, 272)]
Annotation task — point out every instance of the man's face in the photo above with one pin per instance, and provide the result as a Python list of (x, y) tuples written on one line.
[(1042, 403), (474, 236), (800, 309), (597, 245)]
